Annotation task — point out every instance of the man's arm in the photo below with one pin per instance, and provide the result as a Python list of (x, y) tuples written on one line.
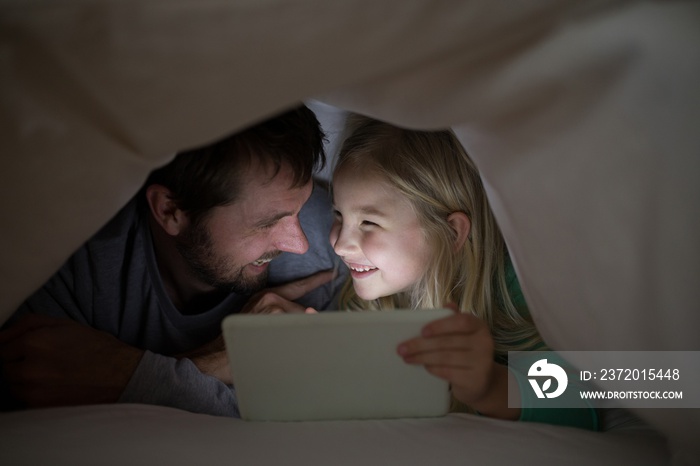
[(49, 361), (169, 381)]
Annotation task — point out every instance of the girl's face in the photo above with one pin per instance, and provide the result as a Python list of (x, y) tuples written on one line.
[(377, 234)]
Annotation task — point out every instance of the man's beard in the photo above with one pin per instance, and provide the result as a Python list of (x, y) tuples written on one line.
[(197, 248)]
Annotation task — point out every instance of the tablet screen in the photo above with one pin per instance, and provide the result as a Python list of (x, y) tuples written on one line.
[(332, 365)]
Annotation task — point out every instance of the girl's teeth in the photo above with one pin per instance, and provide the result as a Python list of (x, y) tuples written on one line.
[(362, 269)]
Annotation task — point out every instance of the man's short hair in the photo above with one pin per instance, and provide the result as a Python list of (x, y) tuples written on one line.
[(209, 176)]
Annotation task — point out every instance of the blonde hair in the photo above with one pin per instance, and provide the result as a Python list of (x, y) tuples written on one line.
[(433, 171)]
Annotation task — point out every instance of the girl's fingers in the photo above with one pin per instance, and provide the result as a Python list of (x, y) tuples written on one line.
[(458, 323), (275, 304), (439, 343), (450, 358)]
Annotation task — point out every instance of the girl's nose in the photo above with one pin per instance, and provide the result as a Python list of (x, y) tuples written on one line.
[(341, 240)]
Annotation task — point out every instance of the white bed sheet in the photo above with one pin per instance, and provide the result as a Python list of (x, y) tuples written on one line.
[(146, 435)]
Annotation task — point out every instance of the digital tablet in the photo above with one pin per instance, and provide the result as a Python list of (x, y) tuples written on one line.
[(331, 365)]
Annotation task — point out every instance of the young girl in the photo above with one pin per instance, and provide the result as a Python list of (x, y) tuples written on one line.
[(413, 224)]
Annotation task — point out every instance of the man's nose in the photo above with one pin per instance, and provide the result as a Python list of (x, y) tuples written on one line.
[(292, 239)]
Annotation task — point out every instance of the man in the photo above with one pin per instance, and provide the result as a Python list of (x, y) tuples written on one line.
[(146, 295)]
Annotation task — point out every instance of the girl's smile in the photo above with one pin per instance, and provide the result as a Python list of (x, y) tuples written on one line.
[(361, 271)]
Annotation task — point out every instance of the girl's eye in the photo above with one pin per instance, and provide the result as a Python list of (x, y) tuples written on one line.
[(368, 223), (337, 214)]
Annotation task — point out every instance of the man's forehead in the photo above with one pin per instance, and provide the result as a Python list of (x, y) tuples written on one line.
[(267, 200), (263, 172)]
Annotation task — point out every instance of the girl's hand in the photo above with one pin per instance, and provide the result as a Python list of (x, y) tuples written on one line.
[(280, 299), (460, 349)]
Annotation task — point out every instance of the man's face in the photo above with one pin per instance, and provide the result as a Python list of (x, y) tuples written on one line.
[(231, 247)]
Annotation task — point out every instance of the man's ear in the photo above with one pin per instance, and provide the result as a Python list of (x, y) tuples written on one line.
[(460, 223), (165, 210)]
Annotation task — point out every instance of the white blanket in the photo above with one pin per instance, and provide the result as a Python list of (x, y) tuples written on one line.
[(147, 435)]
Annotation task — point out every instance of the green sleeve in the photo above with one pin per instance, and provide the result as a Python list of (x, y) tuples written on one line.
[(585, 417)]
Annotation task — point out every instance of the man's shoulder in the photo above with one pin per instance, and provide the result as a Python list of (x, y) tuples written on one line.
[(120, 242), (89, 285), (127, 221)]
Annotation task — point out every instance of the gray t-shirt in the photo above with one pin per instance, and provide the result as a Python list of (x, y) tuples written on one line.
[(112, 284)]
